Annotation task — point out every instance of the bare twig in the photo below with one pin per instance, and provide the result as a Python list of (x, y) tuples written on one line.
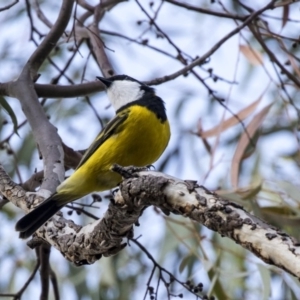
[(152, 22), (44, 49), (9, 5), (204, 57), (207, 11), (85, 5), (140, 42), (13, 133), (41, 15), (18, 295), (272, 56), (162, 270), (44, 255), (83, 211), (98, 45)]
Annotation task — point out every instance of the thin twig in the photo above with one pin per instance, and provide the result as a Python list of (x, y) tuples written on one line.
[(207, 11), (161, 269), (17, 296), (272, 55), (204, 57), (9, 5)]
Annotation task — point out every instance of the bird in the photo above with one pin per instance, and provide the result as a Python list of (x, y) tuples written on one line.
[(136, 136)]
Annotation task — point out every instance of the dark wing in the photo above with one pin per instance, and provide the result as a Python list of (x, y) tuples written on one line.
[(112, 127)]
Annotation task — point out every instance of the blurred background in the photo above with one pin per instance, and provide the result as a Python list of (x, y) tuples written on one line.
[(234, 122)]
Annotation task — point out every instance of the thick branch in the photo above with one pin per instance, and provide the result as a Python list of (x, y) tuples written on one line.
[(59, 91), (44, 132), (227, 218), (68, 91), (87, 244)]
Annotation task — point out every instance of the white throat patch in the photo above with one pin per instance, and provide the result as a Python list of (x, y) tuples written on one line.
[(122, 92)]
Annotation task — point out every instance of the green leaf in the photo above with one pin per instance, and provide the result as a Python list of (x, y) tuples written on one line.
[(291, 190), (10, 112), (241, 194), (185, 262), (266, 281), (281, 216)]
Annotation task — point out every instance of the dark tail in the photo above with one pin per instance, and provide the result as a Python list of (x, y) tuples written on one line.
[(40, 215)]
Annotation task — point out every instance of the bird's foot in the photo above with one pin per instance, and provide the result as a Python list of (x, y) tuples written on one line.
[(130, 171)]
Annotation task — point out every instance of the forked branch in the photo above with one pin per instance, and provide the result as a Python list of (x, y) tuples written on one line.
[(85, 245)]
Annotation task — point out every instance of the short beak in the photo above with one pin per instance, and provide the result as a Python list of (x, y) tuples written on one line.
[(105, 81)]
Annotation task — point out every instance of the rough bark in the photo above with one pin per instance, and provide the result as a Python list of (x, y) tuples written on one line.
[(85, 245)]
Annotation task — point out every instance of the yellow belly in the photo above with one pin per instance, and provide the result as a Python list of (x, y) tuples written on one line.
[(140, 142)]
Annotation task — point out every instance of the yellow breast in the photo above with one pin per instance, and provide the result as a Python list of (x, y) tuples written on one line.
[(141, 140)]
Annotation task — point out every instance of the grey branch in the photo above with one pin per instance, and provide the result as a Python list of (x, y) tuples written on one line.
[(44, 132), (58, 91), (105, 237)]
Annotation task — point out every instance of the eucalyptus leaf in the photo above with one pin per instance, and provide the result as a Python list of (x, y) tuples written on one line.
[(266, 281), (4, 104)]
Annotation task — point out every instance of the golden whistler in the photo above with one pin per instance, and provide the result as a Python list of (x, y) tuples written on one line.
[(137, 135)]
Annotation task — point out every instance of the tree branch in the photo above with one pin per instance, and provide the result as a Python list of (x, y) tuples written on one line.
[(9, 5), (18, 295), (207, 11), (54, 284), (44, 132), (85, 245), (272, 56), (59, 91), (204, 57), (44, 256), (97, 43), (50, 41), (34, 181)]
